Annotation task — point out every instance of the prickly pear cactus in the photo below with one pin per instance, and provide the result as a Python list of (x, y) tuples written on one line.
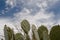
[(25, 26), (40, 30), (45, 36), (27, 37), (19, 36), (55, 33), (35, 33), (13, 36), (5, 32)]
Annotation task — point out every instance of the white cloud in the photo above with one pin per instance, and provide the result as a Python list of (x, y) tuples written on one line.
[(38, 8), (11, 3), (37, 18)]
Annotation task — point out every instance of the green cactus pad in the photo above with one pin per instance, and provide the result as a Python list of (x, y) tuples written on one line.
[(19, 36), (40, 30), (55, 32), (25, 26)]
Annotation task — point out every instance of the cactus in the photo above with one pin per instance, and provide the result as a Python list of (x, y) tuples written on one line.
[(19, 36), (40, 30), (13, 35), (35, 33), (55, 33), (25, 26), (7, 33), (40, 34), (27, 37), (45, 36), (33, 36)]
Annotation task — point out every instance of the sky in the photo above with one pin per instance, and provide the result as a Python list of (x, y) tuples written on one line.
[(38, 12)]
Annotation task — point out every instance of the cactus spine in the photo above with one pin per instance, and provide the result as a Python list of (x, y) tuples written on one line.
[(35, 32)]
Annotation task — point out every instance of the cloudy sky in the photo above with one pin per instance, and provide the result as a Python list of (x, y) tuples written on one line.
[(38, 12)]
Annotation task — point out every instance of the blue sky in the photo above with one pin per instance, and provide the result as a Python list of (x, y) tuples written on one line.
[(10, 11), (46, 12), (6, 10)]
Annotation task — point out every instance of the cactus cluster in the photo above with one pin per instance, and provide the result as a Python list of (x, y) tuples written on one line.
[(37, 34)]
